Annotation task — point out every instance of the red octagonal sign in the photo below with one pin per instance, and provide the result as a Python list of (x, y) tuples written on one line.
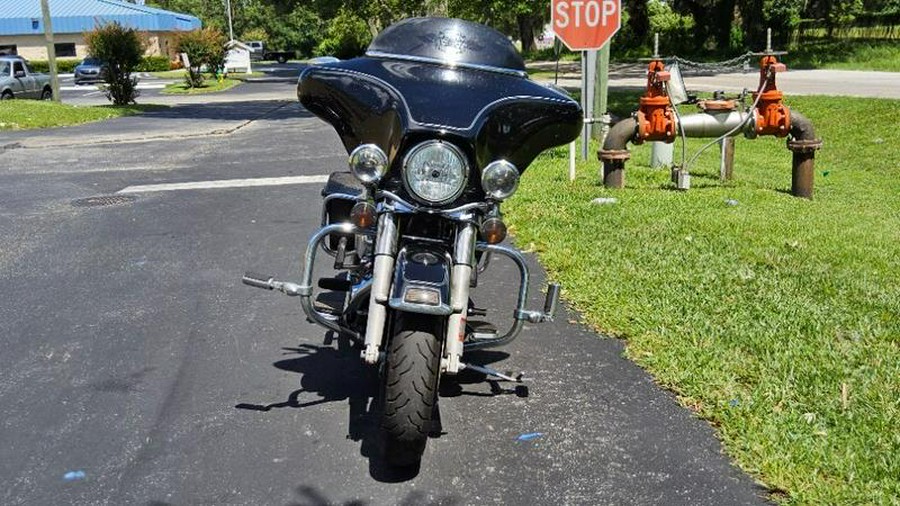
[(585, 25)]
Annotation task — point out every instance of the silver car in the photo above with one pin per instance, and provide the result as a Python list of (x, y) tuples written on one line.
[(17, 80)]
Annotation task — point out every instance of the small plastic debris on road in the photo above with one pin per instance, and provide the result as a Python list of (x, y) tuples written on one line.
[(731, 202), (529, 436), (74, 476), (605, 200)]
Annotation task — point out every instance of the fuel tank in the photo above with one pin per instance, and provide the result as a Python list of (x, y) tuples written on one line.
[(441, 78)]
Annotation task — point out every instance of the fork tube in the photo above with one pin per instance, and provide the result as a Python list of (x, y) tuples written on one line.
[(382, 274), (463, 263)]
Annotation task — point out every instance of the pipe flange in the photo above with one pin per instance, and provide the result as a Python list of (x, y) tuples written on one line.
[(717, 105), (610, 155), (804, 145)]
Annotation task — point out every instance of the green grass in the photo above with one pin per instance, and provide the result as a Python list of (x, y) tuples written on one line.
[(757, 315), (847, 54), (180, 73), (25, 114), (210, 85)]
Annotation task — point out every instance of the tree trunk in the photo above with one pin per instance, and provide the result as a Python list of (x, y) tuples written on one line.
[(638, 22), (526, 32), (724, 17)]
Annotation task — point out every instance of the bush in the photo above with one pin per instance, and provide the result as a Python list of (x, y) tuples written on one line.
[(675, 30), (347, 36), (203, 47), (122, 49), (63, 65), (153, 64)]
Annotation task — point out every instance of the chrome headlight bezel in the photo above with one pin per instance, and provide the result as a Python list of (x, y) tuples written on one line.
[(500, 179), (368, 163), (463, 178)]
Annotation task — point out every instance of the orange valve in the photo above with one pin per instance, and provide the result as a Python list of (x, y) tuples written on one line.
[(656, 118), (772, 116)]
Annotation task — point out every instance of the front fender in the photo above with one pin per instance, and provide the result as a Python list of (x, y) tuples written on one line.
[(421, 281)]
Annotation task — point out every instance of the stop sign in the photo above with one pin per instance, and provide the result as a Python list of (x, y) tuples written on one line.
[(585, 25)]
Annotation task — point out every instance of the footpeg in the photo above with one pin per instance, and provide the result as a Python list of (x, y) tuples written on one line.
[(270, 283)]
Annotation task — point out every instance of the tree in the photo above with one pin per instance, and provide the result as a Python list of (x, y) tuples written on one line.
[(121, 49), (204, 47)]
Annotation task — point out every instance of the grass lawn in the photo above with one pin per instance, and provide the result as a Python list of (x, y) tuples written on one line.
[(180, 73), (24, 114), (848, 54), (210, 85), (777, 319)]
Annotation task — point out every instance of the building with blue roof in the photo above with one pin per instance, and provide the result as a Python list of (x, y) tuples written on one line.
[(22, 25)]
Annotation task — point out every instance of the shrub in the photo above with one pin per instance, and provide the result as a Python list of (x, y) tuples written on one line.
[(153, 64), (63, 65), (122, 49), (203, 47), (347, 36), (675, 30)]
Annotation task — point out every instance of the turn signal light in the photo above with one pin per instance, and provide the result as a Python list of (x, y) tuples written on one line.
[(363, 214), (493, 230)]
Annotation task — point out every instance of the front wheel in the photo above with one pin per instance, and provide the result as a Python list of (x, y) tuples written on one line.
[(410, 383)]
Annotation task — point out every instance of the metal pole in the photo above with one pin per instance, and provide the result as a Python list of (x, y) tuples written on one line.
[(589, 71), (51, 51), (230, 28), (584, 98), (601, 93), (726, 160)]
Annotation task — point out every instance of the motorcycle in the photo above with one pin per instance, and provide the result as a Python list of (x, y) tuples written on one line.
[(439, 119)]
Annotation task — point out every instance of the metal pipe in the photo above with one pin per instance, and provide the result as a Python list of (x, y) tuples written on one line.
[(305, 290), (615, 152), (706, 124), (803, 144), (521, 301)]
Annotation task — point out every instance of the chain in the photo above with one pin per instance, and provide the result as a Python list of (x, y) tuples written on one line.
[(741, 63)]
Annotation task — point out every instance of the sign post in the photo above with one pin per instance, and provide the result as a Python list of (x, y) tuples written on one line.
[(51, 51), (586, 25)]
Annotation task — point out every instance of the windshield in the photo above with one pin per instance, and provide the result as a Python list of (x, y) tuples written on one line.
[(448, 41), (4, 68), (92, 62)]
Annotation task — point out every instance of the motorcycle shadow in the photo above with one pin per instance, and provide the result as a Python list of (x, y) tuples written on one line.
[(336, 374)]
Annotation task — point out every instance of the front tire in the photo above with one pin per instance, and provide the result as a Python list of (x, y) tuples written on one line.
[(411, 375)]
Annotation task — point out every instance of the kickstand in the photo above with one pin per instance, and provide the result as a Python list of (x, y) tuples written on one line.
[(493, 372), (437, 429)]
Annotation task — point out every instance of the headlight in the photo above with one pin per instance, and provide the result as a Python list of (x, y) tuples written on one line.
[(435, 172), (500, 179), (368, 163)]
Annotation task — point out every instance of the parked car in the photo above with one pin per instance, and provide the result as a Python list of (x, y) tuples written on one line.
[(258, 51), (90, 70), (17, 80)]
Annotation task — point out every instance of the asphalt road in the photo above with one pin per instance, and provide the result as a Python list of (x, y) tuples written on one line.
[(132, 353)]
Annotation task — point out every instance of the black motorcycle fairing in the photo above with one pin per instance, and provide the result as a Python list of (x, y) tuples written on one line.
[(490, 115)]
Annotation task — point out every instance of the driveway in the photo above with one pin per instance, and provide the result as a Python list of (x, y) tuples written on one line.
[(136, 361)]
